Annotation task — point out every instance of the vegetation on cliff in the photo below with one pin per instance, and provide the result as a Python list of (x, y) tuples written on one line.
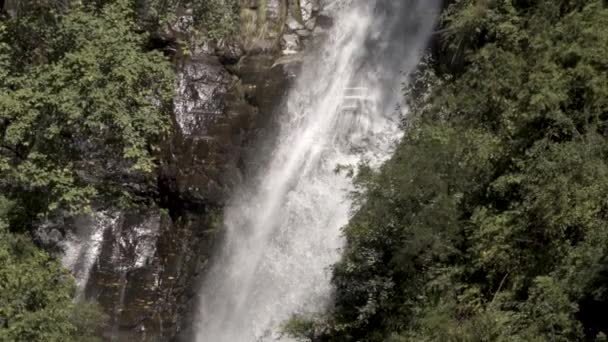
[(490, 221), (209, 20), (83, 107), (36, 294)]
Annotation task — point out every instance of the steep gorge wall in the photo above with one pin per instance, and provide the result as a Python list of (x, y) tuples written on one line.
[(150, 261)]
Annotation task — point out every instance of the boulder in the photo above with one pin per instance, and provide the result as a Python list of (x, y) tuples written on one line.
[(290, 44)]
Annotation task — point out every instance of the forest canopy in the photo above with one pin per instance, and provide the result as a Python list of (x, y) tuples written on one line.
[(83, 107), (490, 222)]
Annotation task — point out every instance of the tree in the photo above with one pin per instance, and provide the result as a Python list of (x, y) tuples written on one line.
[(36, 294), (82, 106), (489, 222)]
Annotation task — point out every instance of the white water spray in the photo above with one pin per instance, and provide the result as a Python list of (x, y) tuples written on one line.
[(82, 247), (283, 229)]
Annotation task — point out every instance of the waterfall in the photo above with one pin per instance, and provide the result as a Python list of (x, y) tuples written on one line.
[(82, 246), (283, 227)]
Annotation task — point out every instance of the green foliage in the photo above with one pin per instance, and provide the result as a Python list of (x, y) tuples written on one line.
[(82, 106), (36, 296), (489, 222), (88, 319), (219, 18), (212, 19), (299, 326)]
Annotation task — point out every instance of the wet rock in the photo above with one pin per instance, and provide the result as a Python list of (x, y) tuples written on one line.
[(304, 33), (274, 9), (128, 247), (266, 83), (293, 24), (183, 23), (147, 264), (82, 243), (146, 270), (308, 7), (319, 32), (144, 266), (202, 82), (290, 44), (230, 52), (288, 62), (211, 118), (310, 24), (324, 21)]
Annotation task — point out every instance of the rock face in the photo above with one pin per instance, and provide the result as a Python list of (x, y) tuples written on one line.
[(146, 265), (212, 119), (144, 271)]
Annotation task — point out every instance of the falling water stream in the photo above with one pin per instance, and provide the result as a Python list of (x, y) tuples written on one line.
[(82, 247), (283, 227)]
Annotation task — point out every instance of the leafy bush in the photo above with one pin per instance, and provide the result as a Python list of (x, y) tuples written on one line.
[(489, 223), (36, 296), (213, 19), (82, 106)]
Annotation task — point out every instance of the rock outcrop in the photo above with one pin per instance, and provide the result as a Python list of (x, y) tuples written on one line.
[(147, 266)]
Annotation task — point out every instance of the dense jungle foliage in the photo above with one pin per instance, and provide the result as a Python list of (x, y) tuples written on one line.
[(84, 104), (36, 294), (490, 223), (210, 19)]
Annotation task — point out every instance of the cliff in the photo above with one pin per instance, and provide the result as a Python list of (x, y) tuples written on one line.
[(145, 265)]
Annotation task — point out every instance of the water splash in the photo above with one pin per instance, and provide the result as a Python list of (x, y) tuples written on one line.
[(283, 228), (82, 246)]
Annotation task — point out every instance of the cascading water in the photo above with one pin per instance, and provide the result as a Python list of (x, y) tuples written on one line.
[(283, 228), (81, 247)]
